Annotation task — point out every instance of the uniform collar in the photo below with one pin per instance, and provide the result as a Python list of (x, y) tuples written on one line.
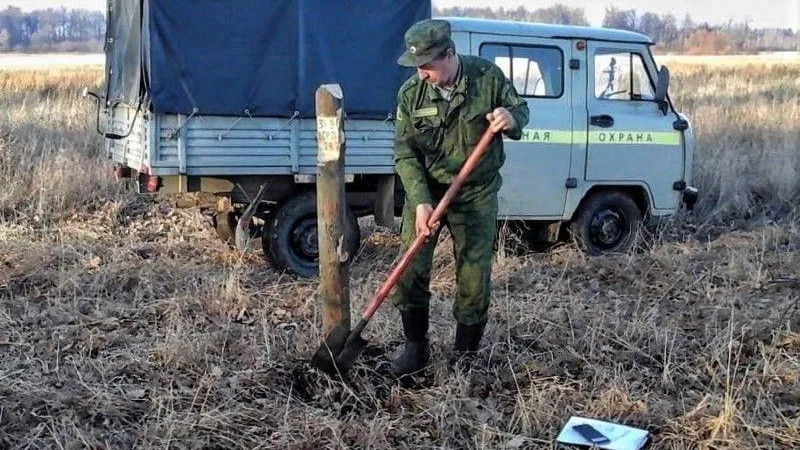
[(459, 71), (461, 79)]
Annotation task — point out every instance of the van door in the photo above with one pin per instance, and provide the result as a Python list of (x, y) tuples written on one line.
[(630, 140), (537, 166)]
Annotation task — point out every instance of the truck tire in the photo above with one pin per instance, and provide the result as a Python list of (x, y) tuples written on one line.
[(607, 222), (290, 242)]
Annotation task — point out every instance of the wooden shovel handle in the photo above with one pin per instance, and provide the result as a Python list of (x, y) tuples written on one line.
[(438, 212)]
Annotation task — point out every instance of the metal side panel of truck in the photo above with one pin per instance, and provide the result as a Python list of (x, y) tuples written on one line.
[(215, 146), (600, 153)]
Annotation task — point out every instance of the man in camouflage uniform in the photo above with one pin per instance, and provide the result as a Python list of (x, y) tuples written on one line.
[(442, 113)]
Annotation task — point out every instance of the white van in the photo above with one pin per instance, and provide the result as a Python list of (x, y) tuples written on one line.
[(604, 146)]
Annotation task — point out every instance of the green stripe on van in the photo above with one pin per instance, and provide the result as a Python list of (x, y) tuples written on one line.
[(550, 136), (634, 137), (543, 136)]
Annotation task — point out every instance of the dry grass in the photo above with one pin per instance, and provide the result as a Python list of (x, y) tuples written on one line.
[(52, 161), (748, 128), (125, 323)]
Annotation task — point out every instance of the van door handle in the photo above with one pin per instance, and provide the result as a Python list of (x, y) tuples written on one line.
[(604, 121)]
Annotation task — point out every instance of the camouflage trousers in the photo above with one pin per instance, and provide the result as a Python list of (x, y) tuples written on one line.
[(472, 222)]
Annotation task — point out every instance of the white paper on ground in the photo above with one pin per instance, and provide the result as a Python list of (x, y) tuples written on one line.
[(622, 437)]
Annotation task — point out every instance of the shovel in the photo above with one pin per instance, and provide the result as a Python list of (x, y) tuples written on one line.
[(342, 347)]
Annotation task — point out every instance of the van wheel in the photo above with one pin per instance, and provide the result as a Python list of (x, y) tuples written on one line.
[(291, 241), (607, 222)]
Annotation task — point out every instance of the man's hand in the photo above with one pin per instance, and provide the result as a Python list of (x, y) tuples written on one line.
[(424, 211), (501, 120)]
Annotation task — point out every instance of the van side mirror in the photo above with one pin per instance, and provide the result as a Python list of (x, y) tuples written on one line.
[(662, 86)]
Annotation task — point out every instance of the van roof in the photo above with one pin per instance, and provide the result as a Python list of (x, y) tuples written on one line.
[(508, 27)]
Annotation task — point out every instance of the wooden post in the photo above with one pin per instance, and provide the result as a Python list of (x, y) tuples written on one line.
[(331, 207)]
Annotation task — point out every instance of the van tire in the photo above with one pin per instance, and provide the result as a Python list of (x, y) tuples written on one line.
[(606, 222), (290, 242)]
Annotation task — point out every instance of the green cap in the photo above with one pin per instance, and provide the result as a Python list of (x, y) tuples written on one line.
[(424, 41)]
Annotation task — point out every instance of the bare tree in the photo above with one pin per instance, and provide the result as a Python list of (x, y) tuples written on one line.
[(557, 14), (51, 30), (620, 19)]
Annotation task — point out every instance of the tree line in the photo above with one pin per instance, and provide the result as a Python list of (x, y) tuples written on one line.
[(62, 29), (51, 29), (687, 36)]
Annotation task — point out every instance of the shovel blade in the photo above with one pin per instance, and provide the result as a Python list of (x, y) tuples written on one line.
[(339, 351), (325, 356), (349, 354)]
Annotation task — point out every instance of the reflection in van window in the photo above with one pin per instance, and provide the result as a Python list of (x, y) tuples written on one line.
[(535, 71), (622, 76)]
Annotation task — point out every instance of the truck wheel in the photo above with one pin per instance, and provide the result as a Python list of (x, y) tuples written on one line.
[(291, 240), (606, 223)]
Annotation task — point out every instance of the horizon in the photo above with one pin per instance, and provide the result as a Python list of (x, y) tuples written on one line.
[(782, 13)]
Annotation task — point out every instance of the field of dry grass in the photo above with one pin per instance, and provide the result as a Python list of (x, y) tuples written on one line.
[(125, 323)]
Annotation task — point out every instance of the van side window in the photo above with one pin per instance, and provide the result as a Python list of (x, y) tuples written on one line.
[(535, 70), (622, 76)]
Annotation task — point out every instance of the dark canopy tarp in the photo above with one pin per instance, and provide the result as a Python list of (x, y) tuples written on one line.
[(355, 43), (268, 57)]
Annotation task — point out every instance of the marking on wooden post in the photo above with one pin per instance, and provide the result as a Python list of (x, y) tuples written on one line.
[(329, 139)]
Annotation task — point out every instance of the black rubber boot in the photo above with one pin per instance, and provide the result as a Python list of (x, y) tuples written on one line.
[(467, 341), (416, 353)]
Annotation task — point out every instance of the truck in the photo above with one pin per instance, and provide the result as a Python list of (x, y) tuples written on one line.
[(219, 99)]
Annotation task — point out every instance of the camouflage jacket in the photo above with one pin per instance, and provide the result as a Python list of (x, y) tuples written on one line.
[(434, 137)]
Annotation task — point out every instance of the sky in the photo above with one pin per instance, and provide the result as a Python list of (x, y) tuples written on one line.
[(760, 13)]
